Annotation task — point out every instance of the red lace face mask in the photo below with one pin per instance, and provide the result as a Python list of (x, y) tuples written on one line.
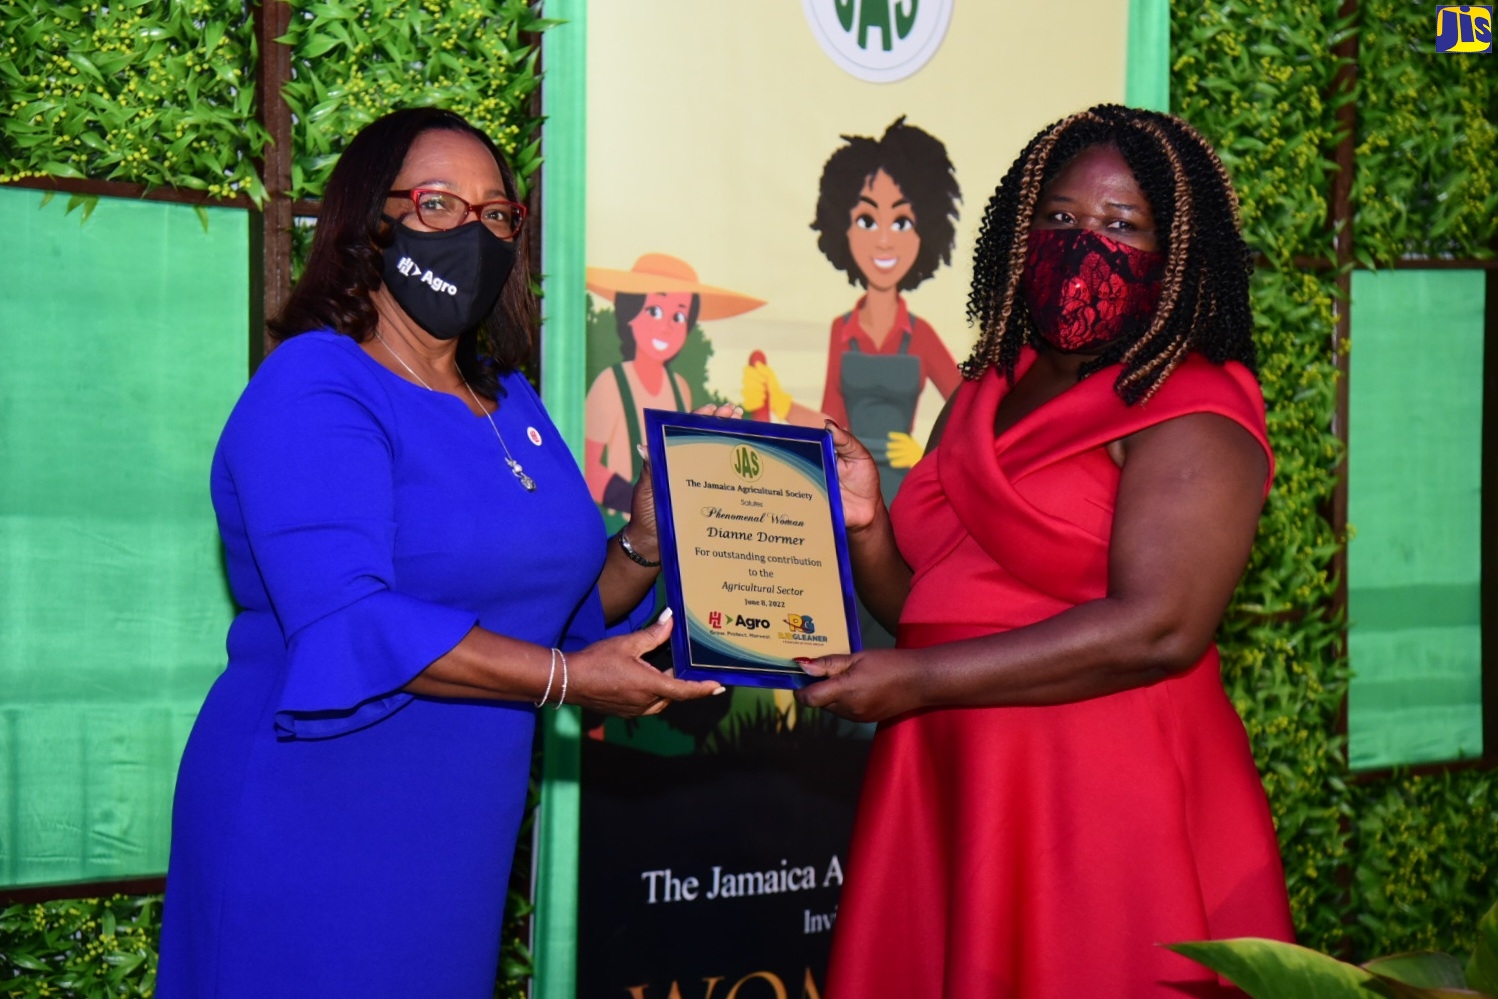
[(1086, 290)]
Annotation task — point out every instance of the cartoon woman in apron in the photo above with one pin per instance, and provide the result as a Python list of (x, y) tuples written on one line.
[(886, 217), (656, 303)]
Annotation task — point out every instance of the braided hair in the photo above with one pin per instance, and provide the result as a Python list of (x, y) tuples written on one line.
[(1204, 288)]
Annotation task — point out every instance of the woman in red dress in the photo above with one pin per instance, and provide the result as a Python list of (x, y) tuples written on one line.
[(1059, 784)]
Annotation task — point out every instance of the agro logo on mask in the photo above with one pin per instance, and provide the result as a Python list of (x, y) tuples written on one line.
[(879, 40), (407, 266)]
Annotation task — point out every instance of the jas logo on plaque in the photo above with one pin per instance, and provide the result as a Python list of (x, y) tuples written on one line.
[(746, 462), (879, 40)]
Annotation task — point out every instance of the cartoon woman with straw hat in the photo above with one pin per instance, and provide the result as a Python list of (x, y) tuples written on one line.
[(656, 303)]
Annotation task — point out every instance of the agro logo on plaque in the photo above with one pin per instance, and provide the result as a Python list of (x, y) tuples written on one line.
[(879, 40)]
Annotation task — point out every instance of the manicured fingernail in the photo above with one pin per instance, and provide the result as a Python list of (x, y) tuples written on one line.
[(643, 451), (665, 616), (802, 660), (720, 690)]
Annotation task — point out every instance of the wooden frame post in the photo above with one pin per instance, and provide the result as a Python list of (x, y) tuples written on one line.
[(270, 228)]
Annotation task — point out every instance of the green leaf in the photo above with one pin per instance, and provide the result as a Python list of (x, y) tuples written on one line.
[(317, 46), (56, 169), (332, 11), (29, 963), (1482, 969), (215, 32), (1425, 969), (84, 65), (1271, 969)]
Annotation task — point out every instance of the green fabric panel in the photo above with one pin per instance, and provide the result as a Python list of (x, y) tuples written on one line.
[(124, 346), (1395, 608), (563, 386), (1147, 78), (1414, 565)]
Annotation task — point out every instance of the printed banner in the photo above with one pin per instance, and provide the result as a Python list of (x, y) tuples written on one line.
[(782, 204)]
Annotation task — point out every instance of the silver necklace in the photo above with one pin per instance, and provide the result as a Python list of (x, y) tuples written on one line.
[(515, 467)]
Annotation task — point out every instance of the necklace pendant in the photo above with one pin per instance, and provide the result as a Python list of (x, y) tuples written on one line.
[(525, 480)]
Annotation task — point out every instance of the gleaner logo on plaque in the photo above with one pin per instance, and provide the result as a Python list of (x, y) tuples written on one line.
[(754, 549)]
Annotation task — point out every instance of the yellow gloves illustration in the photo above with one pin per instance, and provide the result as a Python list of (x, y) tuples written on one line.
[(762, 388), (904, 450)]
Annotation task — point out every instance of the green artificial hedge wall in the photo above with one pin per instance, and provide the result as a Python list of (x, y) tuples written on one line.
[(1424, 858), (1427, 144), (148, 93), (163, 94), (1389, 863), (353, 62), (1254, 78)]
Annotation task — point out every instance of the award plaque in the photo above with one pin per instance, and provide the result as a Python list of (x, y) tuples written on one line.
[(753, 547)]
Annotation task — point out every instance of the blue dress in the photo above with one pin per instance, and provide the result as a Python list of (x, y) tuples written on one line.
[(334, 836)]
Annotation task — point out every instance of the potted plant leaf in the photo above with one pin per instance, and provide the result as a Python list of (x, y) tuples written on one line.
[(1272, 969)]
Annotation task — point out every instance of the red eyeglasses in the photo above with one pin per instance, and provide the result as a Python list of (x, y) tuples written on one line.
[(442, 210)]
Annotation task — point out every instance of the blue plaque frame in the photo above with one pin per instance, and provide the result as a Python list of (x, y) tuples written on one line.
[(726, 668)]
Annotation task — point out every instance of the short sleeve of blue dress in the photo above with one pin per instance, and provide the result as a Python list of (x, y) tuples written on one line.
[(368, 525)]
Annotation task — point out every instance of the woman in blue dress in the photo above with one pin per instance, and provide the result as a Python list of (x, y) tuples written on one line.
[(418, 566)]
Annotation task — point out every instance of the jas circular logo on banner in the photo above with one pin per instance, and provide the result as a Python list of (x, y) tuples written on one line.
[(879, 40)]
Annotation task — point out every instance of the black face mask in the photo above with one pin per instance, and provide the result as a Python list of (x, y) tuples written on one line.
[(447, 281)]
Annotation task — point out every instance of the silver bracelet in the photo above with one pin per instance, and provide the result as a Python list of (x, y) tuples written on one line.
[(563, 699), (551, 677), (634, 556)]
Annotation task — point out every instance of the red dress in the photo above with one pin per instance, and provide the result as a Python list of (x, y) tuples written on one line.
[(1046, 852)]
